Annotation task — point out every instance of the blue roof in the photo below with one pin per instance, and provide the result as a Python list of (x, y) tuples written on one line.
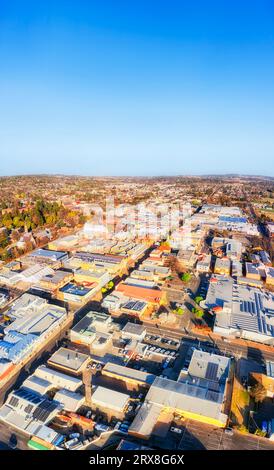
[(51, 254), (75, 289), (236, 220)]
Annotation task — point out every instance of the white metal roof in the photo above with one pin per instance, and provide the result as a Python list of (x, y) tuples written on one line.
[(106, 398)]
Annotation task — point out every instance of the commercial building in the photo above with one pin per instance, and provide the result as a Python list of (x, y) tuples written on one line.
[(34, 273), (114, 264), (39, 322), (70, 401), (134, 308), (203, 263), (78, 293), (241, 310), (69, 360), (29, 274), (265, 258), (233, 249), (24, 408), (49, 257), (236, 269), (150, 284), (33, 322), (230, 247), (25, 304), (250, 282), (67, 243), (89, 277), (253, 271), (58, 379), (37, 385), (151, 272), (90, 326), (269, 276), (113, 302), (187, 258), (199, 394), (56, 280), (132, 377), (134, 331), (9, 277), (153, 296), (222, 266), (109, 401)]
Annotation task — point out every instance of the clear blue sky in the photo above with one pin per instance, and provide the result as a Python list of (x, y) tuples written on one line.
[(100, 87)]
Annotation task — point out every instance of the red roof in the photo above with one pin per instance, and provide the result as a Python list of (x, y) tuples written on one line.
[(150, 295), (217, 308)]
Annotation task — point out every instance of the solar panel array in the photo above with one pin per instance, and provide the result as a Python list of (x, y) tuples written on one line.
[(43, 410), (134, 305), (28, 395), (211, 371), (13, 402), (28, 409), (249, 307), (213, 396)]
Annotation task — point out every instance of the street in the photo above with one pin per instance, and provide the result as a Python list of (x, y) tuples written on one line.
[(199, 436)]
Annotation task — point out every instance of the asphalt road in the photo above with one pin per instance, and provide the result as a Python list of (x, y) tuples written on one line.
[(219, 345), (199, 436), (6, 431)]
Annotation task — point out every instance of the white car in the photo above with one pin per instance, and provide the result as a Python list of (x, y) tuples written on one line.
[(229, 431), (176, 430)]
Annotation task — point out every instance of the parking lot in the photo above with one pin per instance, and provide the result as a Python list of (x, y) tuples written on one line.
[(200, 436), (160, 355)]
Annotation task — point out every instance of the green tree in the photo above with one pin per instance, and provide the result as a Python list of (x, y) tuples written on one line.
[(197, 312), (7, 221), (17, 222), (186, 277)]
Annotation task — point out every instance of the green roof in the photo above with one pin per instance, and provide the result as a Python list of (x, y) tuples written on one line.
[(36, 445)]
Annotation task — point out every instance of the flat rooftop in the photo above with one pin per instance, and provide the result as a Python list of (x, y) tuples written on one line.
[(75, 289), (193, 397), (208, 366), (92, 322), (129, 373), (106, 398), (246, 308), (68, 358), (133, 328), (51, 254)]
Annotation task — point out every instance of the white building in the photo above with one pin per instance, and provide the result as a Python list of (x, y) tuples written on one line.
[(58, 379), (241, 310)]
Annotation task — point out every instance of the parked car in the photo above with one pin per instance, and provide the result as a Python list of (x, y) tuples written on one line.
[(74, 435), (71, 442), (229, 431), (176, 430), (13, 441)]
